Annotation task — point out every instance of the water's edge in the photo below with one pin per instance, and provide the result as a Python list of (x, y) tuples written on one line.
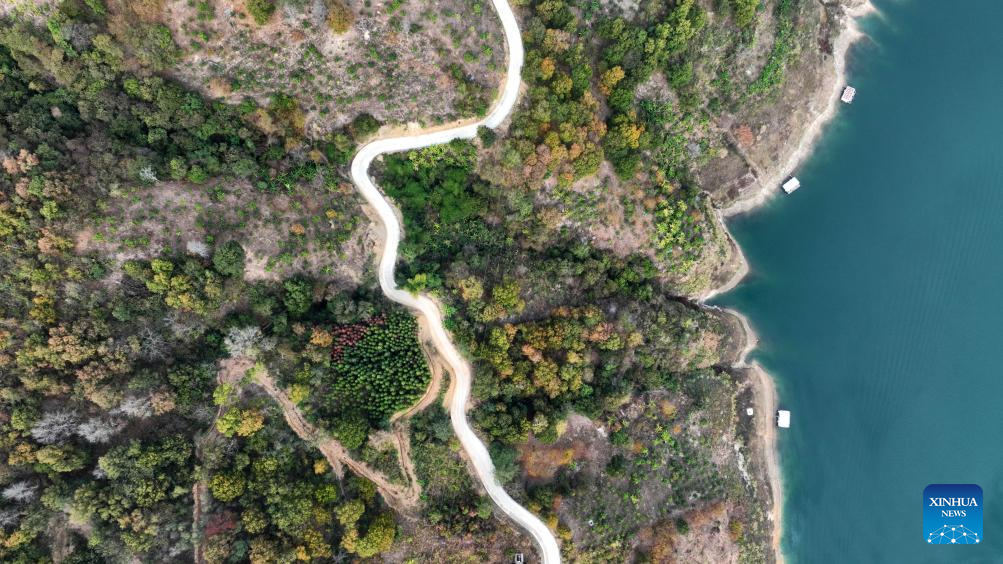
[(764, 385)]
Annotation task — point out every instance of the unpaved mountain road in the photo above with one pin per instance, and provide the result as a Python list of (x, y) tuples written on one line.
[(425, 307)]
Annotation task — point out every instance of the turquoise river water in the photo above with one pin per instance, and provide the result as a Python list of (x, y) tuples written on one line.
[(877, 292)]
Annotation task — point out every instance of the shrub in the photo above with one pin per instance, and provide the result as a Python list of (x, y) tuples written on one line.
[(339, 16), (487, 136), (261, 10), (735, 530), (197, 174), (363, 126)]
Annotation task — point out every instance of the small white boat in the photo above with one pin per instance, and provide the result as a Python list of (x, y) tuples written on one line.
[(792, 184), (848, 93), (783, 419)]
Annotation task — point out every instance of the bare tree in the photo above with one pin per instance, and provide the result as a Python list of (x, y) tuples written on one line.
[(55, 427), (152, 344), (199, 248), (9, 518), (135, 406), (184, 326), (22, 491), (146, 174), (203, 412), (247, 341), (97, 430)]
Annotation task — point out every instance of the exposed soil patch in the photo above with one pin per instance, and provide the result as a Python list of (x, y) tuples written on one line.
[(614, 214), (581, 444), (707, 539), (425, 545)]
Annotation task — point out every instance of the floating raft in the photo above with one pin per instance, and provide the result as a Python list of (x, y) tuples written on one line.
[(791, 185), (783, 419), (848, 93)]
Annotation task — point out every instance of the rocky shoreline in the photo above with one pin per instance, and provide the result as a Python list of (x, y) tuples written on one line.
[(767, 186)]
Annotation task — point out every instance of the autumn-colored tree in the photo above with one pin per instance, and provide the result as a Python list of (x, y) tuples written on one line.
[(339, 16), (263, 551), (547, 67), (611, 78), (471, 289), (315, 545), (240, 422), (320, 337)]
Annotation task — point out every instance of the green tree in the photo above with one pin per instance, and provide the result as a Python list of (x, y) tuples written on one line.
[(351, 429), (227, 487), (487, 136), (363, 126), (261, 10), (61, 458), (350, 512), (254, 520), (379, 537), (298, 296), (745, 12), (229, 259)]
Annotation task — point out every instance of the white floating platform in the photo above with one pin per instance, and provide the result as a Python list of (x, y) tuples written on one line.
[(848, 93), (792, 184), (783, 419)]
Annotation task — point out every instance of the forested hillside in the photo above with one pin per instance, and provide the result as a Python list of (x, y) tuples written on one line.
[(565, 250), (112, 344), (196, 361)]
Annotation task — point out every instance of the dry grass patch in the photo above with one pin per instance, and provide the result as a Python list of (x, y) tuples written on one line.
[(340, 58), (311, 230)]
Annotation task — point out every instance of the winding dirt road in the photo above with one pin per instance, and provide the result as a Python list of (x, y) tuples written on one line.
[(425, 307), (401, 498)]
